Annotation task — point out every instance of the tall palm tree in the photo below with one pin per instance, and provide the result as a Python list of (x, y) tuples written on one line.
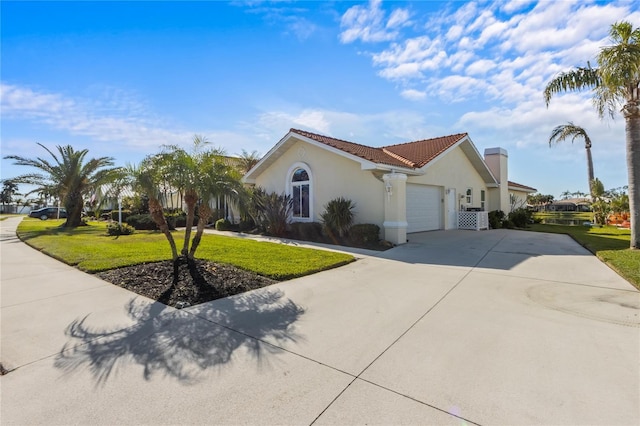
[(565, 131), (68, 176), (615, 83)]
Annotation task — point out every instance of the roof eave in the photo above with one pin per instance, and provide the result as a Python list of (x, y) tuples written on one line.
[(521, 189)]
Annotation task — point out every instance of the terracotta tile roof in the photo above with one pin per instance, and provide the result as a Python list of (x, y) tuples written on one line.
[(521, 186), (375, 155), (411, 154), (423, 151)]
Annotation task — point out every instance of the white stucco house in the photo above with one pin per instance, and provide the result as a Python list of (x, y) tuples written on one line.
[(432, 184)]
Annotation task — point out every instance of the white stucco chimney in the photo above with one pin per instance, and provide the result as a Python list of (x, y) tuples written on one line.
[(497, 161)]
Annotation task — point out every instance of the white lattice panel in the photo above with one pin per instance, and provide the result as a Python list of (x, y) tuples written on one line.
[(473, 220)]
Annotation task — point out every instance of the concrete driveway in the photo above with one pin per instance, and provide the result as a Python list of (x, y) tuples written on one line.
[(455, 327)]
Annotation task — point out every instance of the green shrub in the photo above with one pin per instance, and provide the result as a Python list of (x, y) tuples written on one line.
[(125, 215), (364, 233), (338, 216), (507, 224), (246, 225), (495, 218), (307, 231), (116, 229), (272, 211), (223, 225), (520, 218), (142, 222), (179, 220)]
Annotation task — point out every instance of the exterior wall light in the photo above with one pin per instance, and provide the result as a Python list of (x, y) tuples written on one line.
[(389, 188)]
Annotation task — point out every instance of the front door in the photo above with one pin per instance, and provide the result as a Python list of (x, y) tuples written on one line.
[(452, 211)]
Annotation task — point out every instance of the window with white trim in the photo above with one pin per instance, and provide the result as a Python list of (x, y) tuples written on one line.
[(301, 193), (469, 196), (482, 199)]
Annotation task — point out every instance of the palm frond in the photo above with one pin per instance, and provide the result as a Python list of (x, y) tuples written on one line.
[(574, 80)]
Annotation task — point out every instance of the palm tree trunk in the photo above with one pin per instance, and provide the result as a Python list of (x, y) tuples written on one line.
[(632, 132), (204, 213), (157, 214), (589, 168), (190, 198), (73, 205)]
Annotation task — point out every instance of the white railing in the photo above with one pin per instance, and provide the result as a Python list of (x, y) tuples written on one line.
[(473, 220)]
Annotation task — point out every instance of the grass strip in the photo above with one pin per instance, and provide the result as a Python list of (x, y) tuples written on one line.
[(609, 244), (90, 249)]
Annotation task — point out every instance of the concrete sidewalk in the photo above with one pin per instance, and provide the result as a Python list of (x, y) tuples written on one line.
[(495, 327)]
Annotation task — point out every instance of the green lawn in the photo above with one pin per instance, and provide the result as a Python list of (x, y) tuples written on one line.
[(564, 215), (90, 249), (609, 244)]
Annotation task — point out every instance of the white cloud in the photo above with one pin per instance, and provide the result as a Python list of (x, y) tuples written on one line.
[(377, 129), (110, 119), (367, 23), (516, 47), (480, 67), (413, 95), (398, 18), (302, 28), (515, 5), (454, 32)]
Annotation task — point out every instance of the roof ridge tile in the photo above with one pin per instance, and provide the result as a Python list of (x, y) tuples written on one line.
[(399, 157)]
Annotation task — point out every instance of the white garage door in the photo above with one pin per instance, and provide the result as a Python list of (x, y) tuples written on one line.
[(424, 208)]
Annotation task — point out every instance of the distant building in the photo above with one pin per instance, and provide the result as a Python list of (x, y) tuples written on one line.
[(570, 205)]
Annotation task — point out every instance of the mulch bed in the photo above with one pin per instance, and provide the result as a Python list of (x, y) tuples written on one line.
[(198, 281)]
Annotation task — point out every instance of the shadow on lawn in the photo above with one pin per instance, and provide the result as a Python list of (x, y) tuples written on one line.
[(181, 344)]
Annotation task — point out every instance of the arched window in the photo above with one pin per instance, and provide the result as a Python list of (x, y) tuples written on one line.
[(300, 191)]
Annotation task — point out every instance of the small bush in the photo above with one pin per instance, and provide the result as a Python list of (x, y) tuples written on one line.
[(495, 218), (223, 225), (520, 217), (307, 231), (179, 220), (365, 233), (246, 225), (338, 216), (142, 222), (125, 215), (507, 224), (116, 229)]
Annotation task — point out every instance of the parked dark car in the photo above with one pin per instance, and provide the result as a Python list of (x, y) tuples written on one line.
[(48, 213)]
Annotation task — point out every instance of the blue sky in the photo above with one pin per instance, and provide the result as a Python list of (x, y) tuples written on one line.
[(123, 78)]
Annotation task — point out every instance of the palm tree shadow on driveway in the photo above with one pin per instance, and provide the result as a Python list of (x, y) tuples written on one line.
[(181, 344)]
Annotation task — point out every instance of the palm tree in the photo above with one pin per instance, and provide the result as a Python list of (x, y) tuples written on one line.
[(218, 179), (615, 82), (145, 180), (565, 131), (68, 176), (197, 176), (248, 160), (9, 190)]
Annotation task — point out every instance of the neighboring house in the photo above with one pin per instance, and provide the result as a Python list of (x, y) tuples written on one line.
[(518, 194), (412, 187), (570, 205)]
